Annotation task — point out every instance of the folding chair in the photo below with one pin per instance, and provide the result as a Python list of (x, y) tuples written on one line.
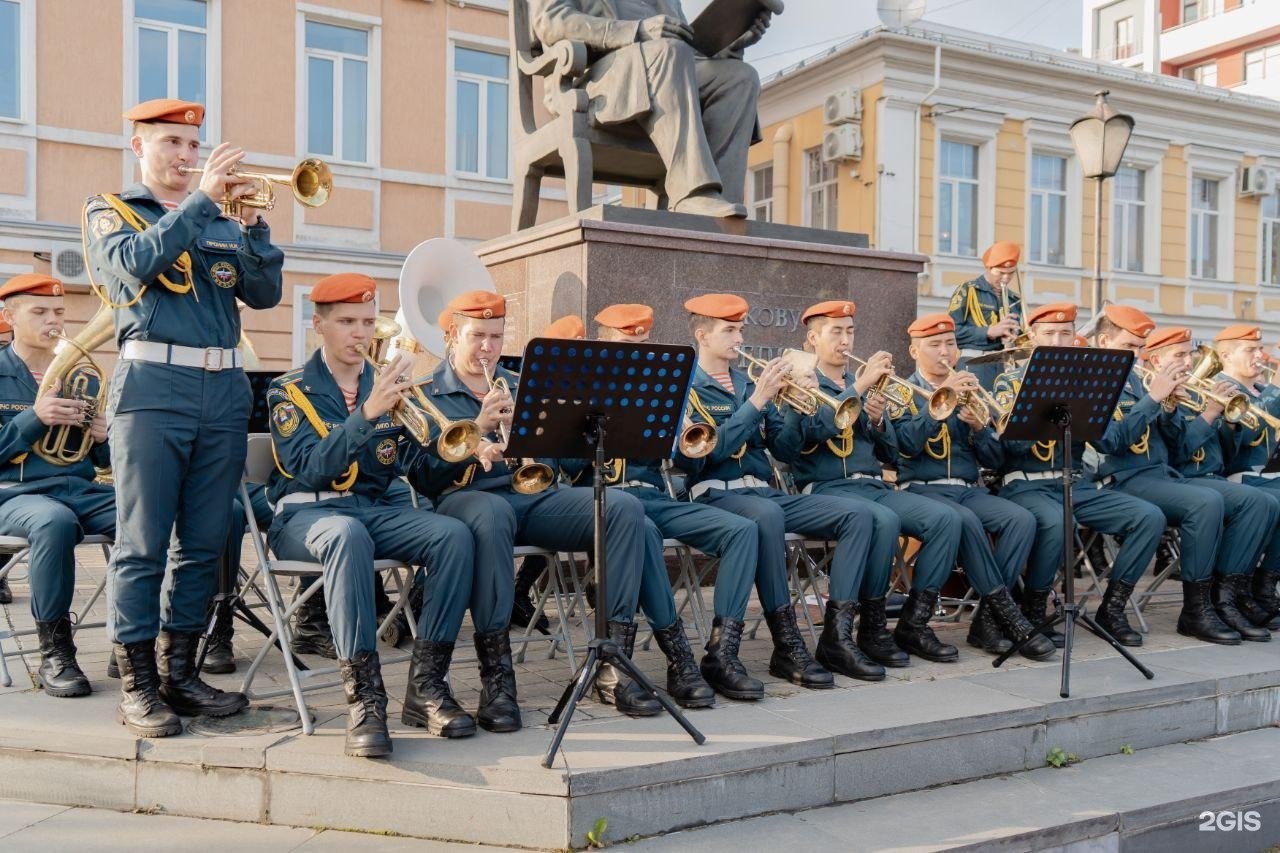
[(552, 586), (1141, 599)]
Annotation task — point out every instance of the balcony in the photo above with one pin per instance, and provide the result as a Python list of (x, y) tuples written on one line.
[(1210, 35), (1124, 52)]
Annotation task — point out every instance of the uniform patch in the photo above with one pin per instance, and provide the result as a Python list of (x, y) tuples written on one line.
[(386, 451), (223, 274), (956, 299), (286, 419), (107, 222)]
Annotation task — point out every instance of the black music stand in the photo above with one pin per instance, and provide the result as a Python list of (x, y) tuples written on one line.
[(569, 392), (1069, 393)]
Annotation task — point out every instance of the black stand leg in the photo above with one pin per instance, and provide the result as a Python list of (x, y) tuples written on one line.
[(1068, 613), (603, 650), (227, 604)]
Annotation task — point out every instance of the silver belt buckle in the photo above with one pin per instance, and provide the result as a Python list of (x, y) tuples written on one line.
[(210, 363)]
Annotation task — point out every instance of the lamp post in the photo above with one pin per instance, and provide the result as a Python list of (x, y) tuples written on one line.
[(1100, 138)]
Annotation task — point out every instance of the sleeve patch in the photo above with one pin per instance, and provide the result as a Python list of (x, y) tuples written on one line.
[(107, 222), (285, 418)]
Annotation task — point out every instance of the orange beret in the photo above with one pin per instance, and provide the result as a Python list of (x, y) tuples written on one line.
[(1166, 336), (480, 304), (930, 325), (1001, 254), (1054, 312), (569, 326), (1240, 332), (832, 308), (1081, 341), (32, 284), (1129, 319), (167, 110), (721, 306), (629, 318), (5, 328), (343, 287)]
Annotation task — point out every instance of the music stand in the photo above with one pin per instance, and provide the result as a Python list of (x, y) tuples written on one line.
[(1069, 393), (574, 398)]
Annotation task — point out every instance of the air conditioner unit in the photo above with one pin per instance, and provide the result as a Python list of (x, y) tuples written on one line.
[(1257, 181), (842, 143), (69, 264), (843, 106)]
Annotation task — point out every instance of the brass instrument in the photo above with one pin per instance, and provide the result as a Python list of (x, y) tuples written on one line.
[(458, 439), (80, 378), (311, 183), (697, 439), (1235, 407), (1023, 338), (806, 400), (982, 404), (941, 401), (530, 476)]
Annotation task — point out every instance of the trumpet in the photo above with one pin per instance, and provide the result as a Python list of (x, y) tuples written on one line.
[(530, 476), (941, 401), (458, 439), (311, 183), (806, 400), (1023, 338), (982, 404), (697, 439)]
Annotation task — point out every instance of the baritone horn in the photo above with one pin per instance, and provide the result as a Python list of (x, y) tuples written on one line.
[(311, 182), (805, 400), (941, 401), (530, 476), (78, 377)]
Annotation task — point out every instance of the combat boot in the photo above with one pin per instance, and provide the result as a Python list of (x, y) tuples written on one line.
[(180, 684), (985, 634), (873, 635), (141, 709), (913, 633), (1264, 592), (1199, 619), (311, 633), (791, 659), (1230, 593), (837, 650), (1111, 613), (428, 701), (499, 710), (720, 665), (1015, 625), (59, 674), (367, 735), (685, 683), (1034, 604), (614, 688)]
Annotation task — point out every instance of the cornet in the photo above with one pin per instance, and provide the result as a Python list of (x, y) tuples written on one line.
[(941, 401), (697, 439), (311, 182), (806, 400), (982, 404), (530, 476)]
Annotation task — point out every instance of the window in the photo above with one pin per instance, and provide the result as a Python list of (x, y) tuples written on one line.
[(1271, 239), (1047, 210), (958, 199), (480, 104), (337, 91), (820, 191), (1262, 64), (1204, 227), (762, 194), (171, 38), (1129, 219), (305, 339), (1195, 10), (1205, 75), (10, 59), (1123, 40)]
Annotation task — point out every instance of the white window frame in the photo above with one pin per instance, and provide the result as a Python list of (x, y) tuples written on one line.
[(1118, 227), (1145, 153), (301, 322), (976, 183), (26, 67), (1267, 56), (811, 189), (1221, 165), (1200, 74), (1064, 194), (482, 118), (212, 126), (353, 20), (1266, 226), (765, 203), (1203, 216), (1117, 43), (974, 127)]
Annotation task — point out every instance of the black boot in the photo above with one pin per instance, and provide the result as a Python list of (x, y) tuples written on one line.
[(874, 638), (985, 634), (913, 632), (218, 658), (1111, 613), (791, 659), (6, 594), (720, 665), (428, 701), (1250, 608), (614, 688), (141, 709), (1199, 619), (684, 682), (1264, 592), (311, 633), (60, 675), (367, 735), (499, 710), (1230, 594), (522, 608), (837, 650), (1034, 603), (180, 684), (113, 668), (1015, 625)]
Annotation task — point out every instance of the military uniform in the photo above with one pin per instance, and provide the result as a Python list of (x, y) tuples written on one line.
[(976, 305)]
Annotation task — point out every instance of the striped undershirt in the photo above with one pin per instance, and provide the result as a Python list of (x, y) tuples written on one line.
[(725, 380)]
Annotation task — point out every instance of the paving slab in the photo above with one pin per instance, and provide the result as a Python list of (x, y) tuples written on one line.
[(15, 815), (1249, 666)]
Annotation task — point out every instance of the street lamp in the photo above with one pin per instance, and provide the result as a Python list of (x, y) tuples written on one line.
[(1100, 139)]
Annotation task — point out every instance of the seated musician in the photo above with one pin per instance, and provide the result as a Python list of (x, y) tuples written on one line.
[(336, 447), (53, 506), (1135, 457), (849, 464), (978, 309), (939, 459), (481, 493), (736, 476), (1032, 479)]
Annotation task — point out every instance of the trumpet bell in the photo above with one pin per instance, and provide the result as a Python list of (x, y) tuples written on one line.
[(532, 477), (698, 440), (846, 411), (942, 403), (311, 182), (458, 441)]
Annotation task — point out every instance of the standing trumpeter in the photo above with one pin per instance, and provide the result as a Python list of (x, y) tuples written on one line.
[(985, 309), (50, 500), (172, 267)]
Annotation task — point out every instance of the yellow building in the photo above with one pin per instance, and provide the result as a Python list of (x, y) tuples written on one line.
[(940, 141), (406, 99)]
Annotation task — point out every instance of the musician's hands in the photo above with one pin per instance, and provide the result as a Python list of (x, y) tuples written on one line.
[(1165, 381), (664, 27), (976, 417), (1213, 409), (769, 383), (387, 388), (1004, 329), (488, 453), (754, 34), (495, 409), (873, 407), (878, 366), (98, 426), (53, 410), (215, 182), (806, 380), (962, 381)]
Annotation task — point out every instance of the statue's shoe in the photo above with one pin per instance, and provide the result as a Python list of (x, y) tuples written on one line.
[(711, 205)]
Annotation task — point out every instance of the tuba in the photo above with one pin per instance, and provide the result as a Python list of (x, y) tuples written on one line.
[(311, 182), (81, 378)]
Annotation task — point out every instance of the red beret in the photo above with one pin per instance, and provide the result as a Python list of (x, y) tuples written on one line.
[(832, 308), (1001, 254), (1240, 332), (569, 326), (5, 328), (720, 306), (628, 318), (930, 325), (1054, 312), (167, 110), (32, 284), (1081, 341), (343, 287), (1129, 319), (480, 304), (1166, 336)]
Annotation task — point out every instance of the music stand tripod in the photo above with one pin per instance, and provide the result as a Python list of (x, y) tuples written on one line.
[(597, 400), (1069, 393)]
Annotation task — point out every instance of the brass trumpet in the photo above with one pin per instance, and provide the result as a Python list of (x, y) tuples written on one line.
[(1023, 338), (311, 183), (530, 476), (1207, 365), (806, 400), (941, 401), (80, 378), (697, 439), (982, 404)]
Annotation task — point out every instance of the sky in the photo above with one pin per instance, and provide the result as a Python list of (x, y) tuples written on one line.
[(810, 26)]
